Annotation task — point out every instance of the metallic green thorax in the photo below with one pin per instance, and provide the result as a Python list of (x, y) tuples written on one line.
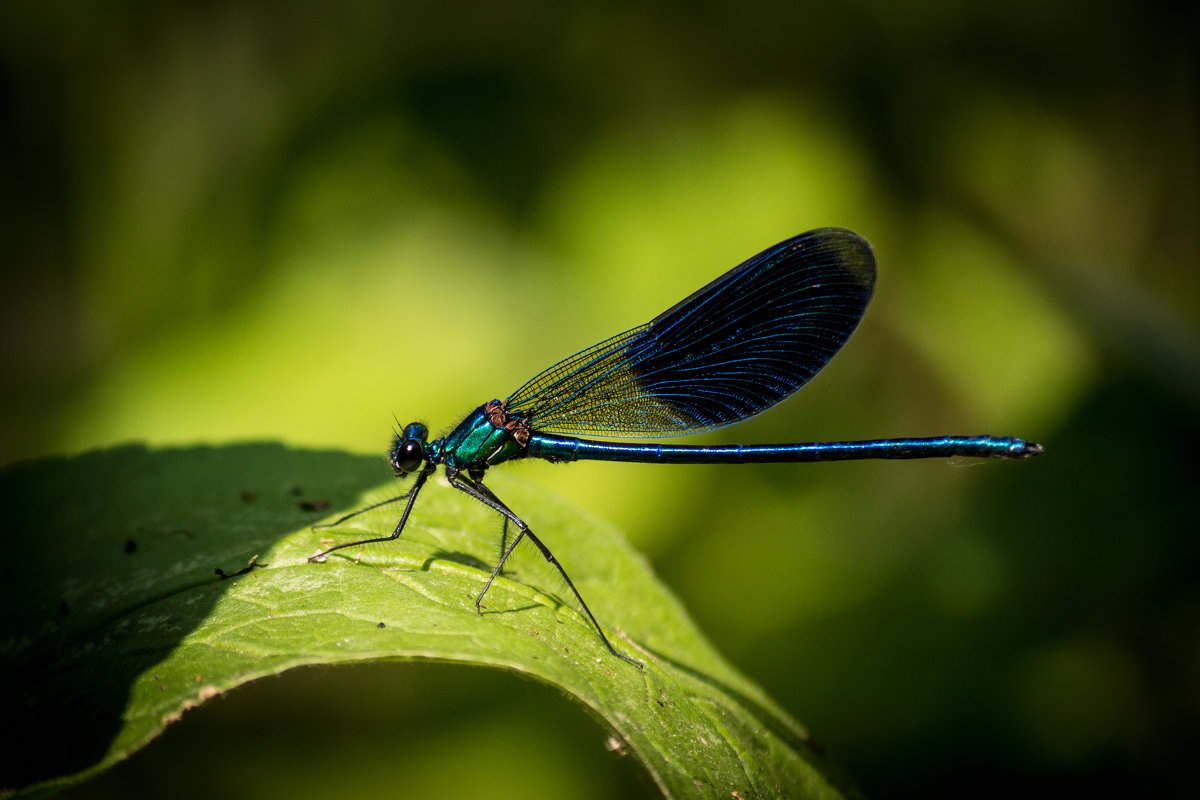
[(487, 436)]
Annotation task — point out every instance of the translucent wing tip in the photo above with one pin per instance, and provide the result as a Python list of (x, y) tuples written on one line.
[(852, 251)]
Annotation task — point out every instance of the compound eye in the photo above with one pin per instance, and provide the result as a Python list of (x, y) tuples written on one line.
[(407, 456)]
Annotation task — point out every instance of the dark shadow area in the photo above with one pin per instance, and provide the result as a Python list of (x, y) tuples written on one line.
[(97, 541), (1086, 651), (302, 733), (458, 557)]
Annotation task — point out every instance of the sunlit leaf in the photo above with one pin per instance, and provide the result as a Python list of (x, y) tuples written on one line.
[(118, 620)]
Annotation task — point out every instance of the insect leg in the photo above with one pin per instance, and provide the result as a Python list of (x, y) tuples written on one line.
[(484, 495), (412, 498)]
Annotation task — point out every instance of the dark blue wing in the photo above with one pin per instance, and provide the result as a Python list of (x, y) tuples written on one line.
[(731, 350)]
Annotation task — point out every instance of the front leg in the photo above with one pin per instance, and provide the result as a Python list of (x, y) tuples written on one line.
[(412, 498)]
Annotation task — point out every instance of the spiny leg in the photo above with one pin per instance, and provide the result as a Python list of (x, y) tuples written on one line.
[(412, 497), (475, 488), (362, 510), (502, 554)]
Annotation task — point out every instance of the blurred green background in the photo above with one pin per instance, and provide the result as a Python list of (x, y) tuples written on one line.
[(226, 222)]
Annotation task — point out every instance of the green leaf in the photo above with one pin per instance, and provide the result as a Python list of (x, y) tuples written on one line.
[(117, 621)]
